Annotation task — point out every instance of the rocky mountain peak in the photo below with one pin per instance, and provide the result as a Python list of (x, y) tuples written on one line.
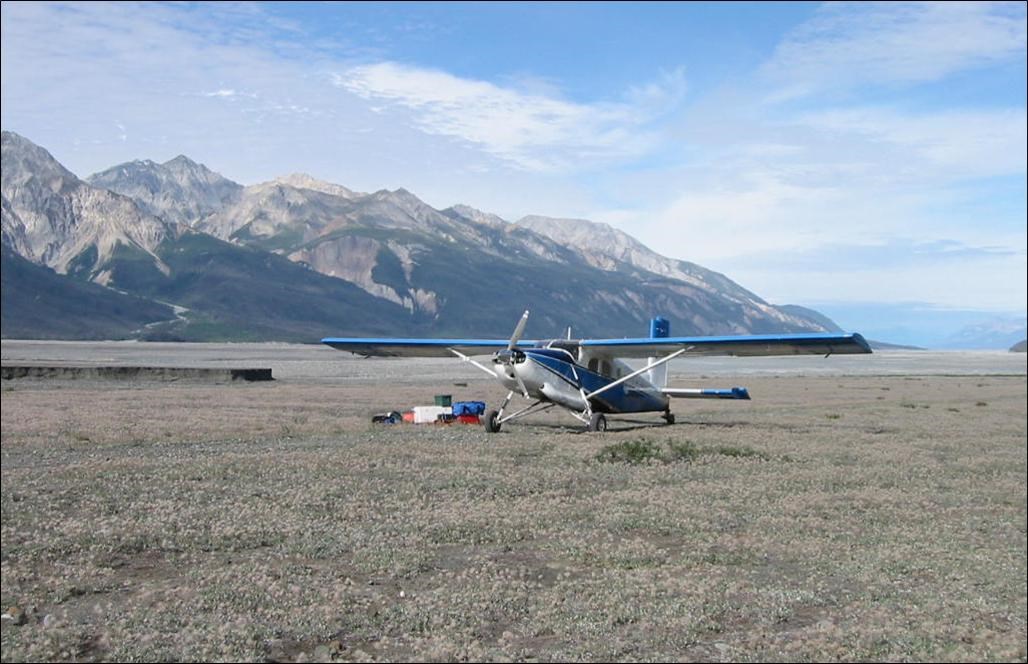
[(306, 181), (400, 208), (179, 191), (183, 169), (61, 221), (279, 207), (592, 236), (24, 161), (476, 216)]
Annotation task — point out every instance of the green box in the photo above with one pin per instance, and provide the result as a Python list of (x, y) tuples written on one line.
[(443, 400)]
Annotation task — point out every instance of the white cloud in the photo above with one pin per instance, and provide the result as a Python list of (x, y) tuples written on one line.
[(534, 130), (855, 176), (948, 144), (229, 94), (849, 44), (722, 182), (984, 282)]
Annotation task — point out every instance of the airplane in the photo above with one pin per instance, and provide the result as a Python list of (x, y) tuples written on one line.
[(588, 378)]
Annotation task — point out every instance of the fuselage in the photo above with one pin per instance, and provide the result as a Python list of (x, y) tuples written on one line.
[(553, 374)]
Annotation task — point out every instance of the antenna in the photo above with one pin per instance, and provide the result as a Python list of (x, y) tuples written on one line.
[(569, 333)]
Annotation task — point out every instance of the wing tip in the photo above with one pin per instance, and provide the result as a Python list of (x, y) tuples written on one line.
[(859, 339)]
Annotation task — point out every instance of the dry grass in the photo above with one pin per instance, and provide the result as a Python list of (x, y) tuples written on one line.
[(830, 519)]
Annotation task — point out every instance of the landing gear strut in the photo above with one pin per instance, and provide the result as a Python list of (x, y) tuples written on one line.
[(494, 419)]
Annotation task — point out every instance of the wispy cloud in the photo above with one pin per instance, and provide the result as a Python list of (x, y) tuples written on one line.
[(844, 192), (776, 177), (535, 131), (228, 93), (895, 253), (980, 281), (954, 144), (890, 135), (851, 44)]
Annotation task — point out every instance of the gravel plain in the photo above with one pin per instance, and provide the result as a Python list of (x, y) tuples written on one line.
[(851, 511)]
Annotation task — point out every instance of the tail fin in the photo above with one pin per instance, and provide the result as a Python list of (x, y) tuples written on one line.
[(660, 328)]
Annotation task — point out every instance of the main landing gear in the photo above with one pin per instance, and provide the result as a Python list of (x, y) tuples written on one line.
[(494, 419), (490, 422)]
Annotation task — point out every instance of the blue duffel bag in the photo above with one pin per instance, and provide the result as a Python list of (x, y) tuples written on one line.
[(468, 407)]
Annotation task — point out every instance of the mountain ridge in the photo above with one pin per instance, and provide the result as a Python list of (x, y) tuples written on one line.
[(55, 219), (415, 269)]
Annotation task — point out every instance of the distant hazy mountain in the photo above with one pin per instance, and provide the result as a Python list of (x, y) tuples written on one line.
[(298, 258), (998, 333), (1020, 347), (882, 345)]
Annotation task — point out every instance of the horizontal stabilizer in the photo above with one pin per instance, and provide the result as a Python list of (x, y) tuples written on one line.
[(700, 393)]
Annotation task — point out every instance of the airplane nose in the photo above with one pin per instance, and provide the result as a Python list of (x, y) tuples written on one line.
[(509, 357)]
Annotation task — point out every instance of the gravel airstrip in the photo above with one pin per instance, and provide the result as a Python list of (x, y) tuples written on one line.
[(858, 508)]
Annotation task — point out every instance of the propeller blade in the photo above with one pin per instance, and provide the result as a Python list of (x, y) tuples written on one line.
[(518, 331)]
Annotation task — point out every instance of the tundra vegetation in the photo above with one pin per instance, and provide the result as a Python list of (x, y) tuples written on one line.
[(842, 518)]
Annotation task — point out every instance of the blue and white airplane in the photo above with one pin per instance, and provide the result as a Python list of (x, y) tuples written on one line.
[(587, 376)]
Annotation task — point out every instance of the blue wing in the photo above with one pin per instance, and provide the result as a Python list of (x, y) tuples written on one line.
[(391, 347), (741, 345)]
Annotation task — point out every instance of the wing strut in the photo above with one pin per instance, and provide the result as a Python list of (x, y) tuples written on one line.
[(666, 358), (475, 362)]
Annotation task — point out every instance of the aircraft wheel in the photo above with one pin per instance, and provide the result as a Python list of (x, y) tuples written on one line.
[(669, 418), (491, 425), (598, 422)]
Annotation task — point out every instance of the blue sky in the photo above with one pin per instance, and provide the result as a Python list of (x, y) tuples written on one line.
[(857, 158)]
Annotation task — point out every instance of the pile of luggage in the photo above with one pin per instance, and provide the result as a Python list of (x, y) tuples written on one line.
[(445, 411)]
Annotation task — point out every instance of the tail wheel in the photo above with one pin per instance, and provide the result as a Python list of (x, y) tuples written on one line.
[(490, 423), (598, 422), (669, 417)]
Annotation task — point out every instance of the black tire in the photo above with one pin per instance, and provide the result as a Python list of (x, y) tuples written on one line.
[(395, 417), (669, 418), (490, 423), (598, 422)]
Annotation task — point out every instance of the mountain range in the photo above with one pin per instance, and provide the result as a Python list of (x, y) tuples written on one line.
[(174, 250), (995, 333)]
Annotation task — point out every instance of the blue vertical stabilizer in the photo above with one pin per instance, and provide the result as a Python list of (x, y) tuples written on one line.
[(660, 328)]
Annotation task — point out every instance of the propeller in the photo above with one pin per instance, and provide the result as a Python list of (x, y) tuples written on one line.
[(511, 355), (505, 357), (518, 331)]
